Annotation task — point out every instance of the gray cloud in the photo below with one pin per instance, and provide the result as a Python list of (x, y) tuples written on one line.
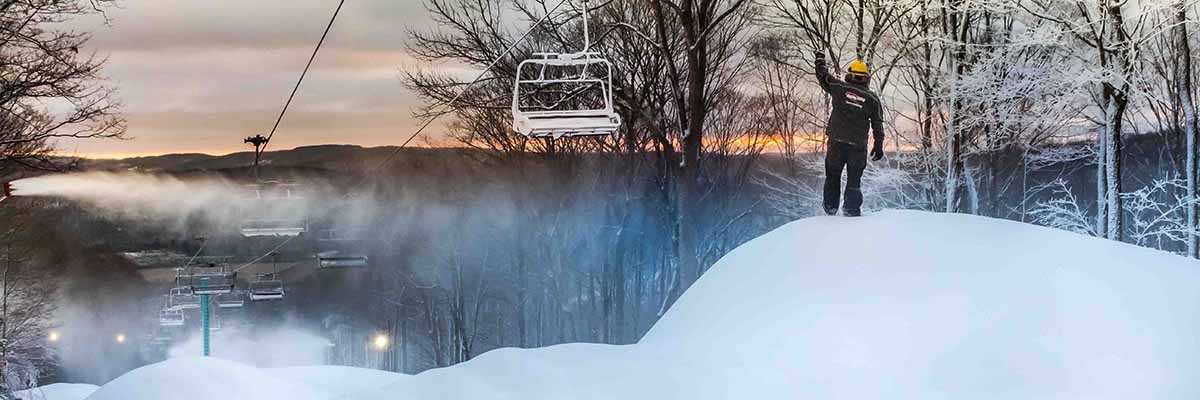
[(198, 75)]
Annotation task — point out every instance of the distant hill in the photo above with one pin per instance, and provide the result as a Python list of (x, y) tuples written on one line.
[(325, 157)]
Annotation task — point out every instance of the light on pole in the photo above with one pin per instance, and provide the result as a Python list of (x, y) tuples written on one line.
[(380, 342)]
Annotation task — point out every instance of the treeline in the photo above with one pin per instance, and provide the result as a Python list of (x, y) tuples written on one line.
[(986, 100)]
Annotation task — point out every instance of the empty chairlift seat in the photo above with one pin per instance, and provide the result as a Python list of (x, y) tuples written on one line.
[(233, 299), (169, 317), (274, 209), (208, 280), (337, 249), (181, 298), (266, 287), (557, 95)]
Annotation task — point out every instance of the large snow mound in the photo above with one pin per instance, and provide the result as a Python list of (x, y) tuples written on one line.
[(897, 304)]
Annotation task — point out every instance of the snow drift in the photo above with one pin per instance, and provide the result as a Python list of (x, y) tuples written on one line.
[(891, 305), (57, 391)]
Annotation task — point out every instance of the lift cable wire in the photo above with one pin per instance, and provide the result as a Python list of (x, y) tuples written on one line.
[(283, 112), (302, 74), (268, 253), (189, 261), (449, 106)]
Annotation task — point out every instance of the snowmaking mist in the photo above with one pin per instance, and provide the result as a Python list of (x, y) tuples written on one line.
[(285, 346), (167, 200)]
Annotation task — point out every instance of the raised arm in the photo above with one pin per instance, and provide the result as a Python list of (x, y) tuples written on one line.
[(823, 77)]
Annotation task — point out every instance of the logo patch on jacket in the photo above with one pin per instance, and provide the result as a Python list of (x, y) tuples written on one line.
[(855, 100)]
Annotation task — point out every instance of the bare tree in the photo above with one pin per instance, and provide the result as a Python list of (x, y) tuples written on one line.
[(43, 69)]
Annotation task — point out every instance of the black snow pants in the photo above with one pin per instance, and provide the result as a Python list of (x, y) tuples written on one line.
[(839, 155)]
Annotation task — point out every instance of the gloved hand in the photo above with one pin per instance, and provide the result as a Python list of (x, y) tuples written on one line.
[(877, 151)]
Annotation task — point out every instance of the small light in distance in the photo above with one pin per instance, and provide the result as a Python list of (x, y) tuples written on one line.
[(53, 336), (380, 342), (120, 338)]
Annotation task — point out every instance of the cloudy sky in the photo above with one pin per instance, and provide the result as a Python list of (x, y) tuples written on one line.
[(200, 75)]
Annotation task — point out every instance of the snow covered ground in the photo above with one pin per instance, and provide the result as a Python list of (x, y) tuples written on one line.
[(892, 305), (58, 391)]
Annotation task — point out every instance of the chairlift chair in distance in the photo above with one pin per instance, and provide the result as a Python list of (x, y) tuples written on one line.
[(210, 280), (266, 287), (169, 317), (338, 250), (161, 336), (274, 209), (181, 298), (233, 299), (565, 94), (214, 323)]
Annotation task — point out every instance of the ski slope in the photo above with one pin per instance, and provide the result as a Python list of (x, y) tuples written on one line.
[(897, 305), (57, 391)]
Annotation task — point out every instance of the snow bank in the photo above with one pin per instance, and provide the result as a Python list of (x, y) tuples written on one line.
[(891, 305), (58, 391), (215, 378), (335, 381), (202, 378)]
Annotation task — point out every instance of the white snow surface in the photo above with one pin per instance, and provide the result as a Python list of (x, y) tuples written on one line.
[(57, 391), (897, 305)]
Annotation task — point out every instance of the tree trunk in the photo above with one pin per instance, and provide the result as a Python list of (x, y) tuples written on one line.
[(1183, 80), (1112, 132), (1116, 99), (954, 160)]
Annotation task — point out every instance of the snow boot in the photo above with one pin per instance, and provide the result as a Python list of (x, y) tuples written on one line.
[(830, 211), (852, 213)]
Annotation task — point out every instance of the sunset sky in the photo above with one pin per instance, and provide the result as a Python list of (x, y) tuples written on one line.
[(200, 75)]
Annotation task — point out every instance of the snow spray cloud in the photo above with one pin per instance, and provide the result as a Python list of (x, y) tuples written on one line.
[(285, 346), (164, 199)]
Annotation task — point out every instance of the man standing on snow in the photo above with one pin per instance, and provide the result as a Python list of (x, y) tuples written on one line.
[(855, 110)]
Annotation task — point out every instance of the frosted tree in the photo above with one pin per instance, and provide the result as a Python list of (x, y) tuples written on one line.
[(1158, 214), (1113, 30), (28, 298), (1024, 91), (1062, 211), (1184, 90)]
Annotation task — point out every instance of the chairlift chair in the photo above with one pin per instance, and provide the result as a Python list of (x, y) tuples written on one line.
[(565, 94), (212, 280), (214, 322), (161, 336), (273, 207), (169, 317), (233, 299), (266, 287), (181, 298), (338, 250)]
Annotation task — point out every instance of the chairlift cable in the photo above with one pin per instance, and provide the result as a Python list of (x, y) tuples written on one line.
[(198, 251), (305, 72), (243, 266), (450, 105)]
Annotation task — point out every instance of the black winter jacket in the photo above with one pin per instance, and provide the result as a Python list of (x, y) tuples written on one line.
[(855, 110)]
